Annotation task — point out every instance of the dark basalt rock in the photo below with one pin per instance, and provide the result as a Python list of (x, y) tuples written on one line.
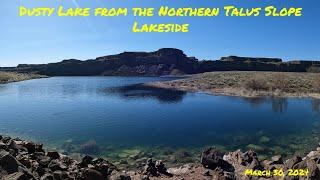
[(8, 162), (91, 174), (3, 146), (61, 175), (150, 168), (250, 59), (25, 161), (31, 147), (212, 159), (86, 160), (5, 139), (155, 169), (55, 165), (105, 168), (44, 161), (160, 167), (53, 154), (249, 156), (11, 144)]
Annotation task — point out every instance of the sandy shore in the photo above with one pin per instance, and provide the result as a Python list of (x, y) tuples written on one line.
[(8, 77), (249, 84)]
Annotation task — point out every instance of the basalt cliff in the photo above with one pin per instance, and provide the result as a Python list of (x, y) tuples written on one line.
[(166, 61)]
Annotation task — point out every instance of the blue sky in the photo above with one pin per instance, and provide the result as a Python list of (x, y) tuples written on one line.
[(51, 39)]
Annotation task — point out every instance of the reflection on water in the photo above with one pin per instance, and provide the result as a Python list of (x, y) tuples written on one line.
[(119, 117), (316, 105), (142, 91), (256, 101), (278, 104)]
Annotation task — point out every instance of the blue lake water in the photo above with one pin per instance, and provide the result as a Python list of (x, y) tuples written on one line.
[(121, 116)]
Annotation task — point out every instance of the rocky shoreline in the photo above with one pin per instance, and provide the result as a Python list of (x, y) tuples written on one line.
[(24, 160)]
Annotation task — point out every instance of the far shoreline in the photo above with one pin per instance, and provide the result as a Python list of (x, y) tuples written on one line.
[(11, 77), (249, 84)]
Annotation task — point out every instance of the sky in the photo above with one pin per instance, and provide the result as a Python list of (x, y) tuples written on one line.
[(35, 40)]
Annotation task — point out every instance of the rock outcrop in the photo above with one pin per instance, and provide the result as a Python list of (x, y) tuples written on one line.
[(166, 61)]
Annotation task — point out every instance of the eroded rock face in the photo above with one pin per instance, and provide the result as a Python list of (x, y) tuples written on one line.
[(162, 62), (165, 61)]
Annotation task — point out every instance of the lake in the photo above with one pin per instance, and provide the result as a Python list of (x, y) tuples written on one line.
[(118, 118)]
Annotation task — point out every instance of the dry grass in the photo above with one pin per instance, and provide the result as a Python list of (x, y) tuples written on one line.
[(316, 84), (7, 77), (250, 83), (257, 83)]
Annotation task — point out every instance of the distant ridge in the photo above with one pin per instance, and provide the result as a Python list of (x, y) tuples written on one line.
[(165, 61)]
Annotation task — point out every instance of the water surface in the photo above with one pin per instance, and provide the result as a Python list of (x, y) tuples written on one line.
[(119, 118)]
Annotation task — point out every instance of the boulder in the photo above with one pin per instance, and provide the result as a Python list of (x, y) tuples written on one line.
[(12, 145), (290, 163), (249, 156), (55, 165), (212, 159), (150, 168), (31, 147), (8, 162), (3, 146), (44, 160), (86, 160), (160, 167), (39, 148), (62, 175), (6, 139), (53, 154), (314, 172), (25, 160), (91, 174)]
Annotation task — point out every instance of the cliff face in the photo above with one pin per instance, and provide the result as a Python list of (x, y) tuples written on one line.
[(234, 63), (166, 61), (162, 62)]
